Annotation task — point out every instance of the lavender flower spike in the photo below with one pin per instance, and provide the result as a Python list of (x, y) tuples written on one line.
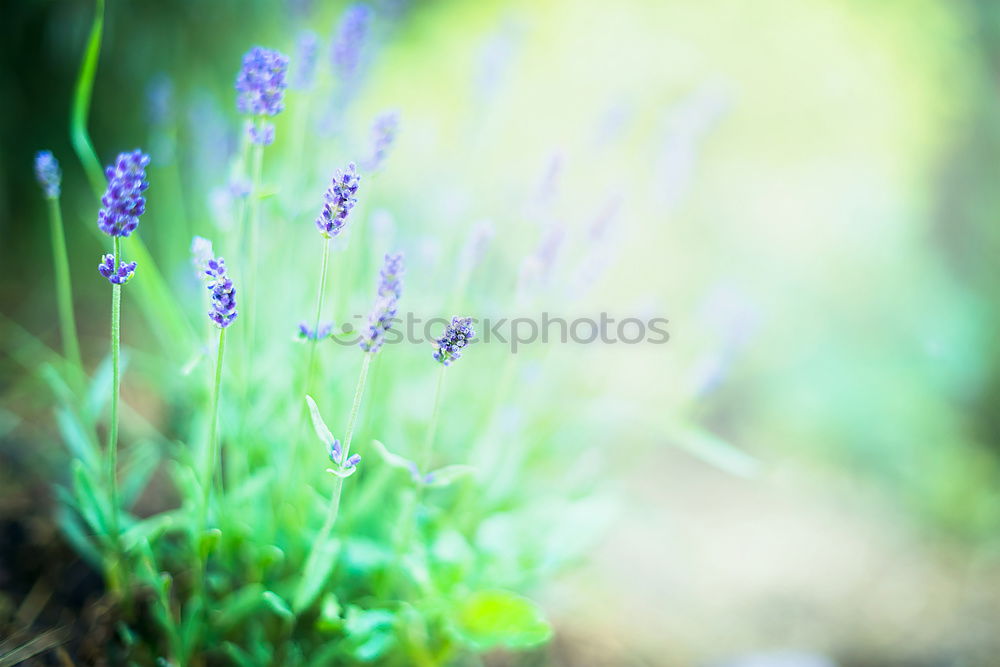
[(339, 199), (223, 294), (350, 38), (48, 173), (116, 277), (384, 131), (389, 290), (456, 337), (123, 203), (261, 82)]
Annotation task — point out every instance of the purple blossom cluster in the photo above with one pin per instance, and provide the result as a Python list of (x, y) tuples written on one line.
[(384, 131), (457, 337), (116, 276), (261, 133), (346, 53), (336, 453), (48, 174), (339, 199), (390, 289), (123, 203), (223, 293), (261, 82)]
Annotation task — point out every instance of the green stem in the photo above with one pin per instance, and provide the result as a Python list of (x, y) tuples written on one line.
[(64, 295), (258, 165), (211, 462), (425, 456), (116, 301), (338, 484), (311, 367)]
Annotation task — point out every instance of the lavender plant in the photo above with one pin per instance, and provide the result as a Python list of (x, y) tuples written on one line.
[(122, 204), (50, 179), (264, 558)]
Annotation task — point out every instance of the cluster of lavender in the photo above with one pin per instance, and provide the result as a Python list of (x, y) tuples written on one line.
[(390, 288), (457, 336), (384, 131), (123, 203), (338, 201), (261, 89), (118, 276), (335, 452), (346, 52), (48, 174), (223, 293)]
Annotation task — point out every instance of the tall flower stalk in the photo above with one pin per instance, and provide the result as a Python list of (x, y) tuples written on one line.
[(379, 323), (260, 87), (121, 206), (338, 201), (50, 178)]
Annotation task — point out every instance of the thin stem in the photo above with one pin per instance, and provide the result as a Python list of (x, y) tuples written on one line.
[(338, 484), (211, 463), (310, 367), (116, 300), (425, 457), (64, 295), (258, 163), (355, 407)]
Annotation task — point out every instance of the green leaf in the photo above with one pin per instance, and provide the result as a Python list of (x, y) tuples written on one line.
[(492, 618), (371, 630), (319, 425), (149, 529), (207, 541), (446, 475), (239, 605), (317, 571), (77, 536), (394, 460), (79, 444), (278, 606), (138, 471), (342, 472), (329, 616), (91, 506)]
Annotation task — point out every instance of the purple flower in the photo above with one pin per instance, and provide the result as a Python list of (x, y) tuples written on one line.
[(350, 38), (352, 461), (384, 131), (261, 82), (304, 69), (339, 199), (116, 277), (48, 174), (123, 203), (456, 337), (261, 134), (223, 294), (333, 450), (389, 290), (307, 333)]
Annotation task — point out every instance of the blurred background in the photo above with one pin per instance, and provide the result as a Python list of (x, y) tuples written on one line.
[(806, 473)]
